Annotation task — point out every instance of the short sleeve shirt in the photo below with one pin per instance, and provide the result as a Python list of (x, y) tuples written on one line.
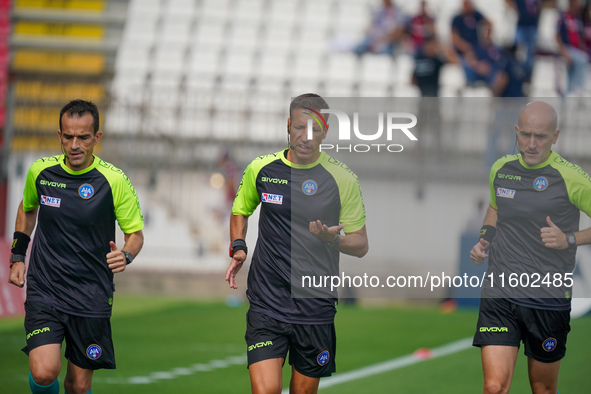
[(524, 197), (290, 197), (76, 221)]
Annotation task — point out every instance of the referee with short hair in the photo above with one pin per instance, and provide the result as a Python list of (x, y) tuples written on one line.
[(74, 200), (306, 199)]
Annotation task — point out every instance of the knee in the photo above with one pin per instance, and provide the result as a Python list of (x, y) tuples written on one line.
[(76, 387), (494, 387), (542, 388), (43, 375)]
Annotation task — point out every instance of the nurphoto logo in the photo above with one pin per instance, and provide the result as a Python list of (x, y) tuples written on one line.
[(395, 123)]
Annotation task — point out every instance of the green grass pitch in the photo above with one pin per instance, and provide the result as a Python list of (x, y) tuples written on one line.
[(182, 346)]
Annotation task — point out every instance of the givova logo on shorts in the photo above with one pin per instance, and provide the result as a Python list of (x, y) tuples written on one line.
[(493, 329), (260, 344), (38, 331)]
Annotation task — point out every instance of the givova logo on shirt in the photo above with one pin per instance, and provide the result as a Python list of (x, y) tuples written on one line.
[(51, 201), (272, 198)]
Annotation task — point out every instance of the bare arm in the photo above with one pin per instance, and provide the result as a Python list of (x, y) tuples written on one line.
[(25, 223), (583, 237), (133, 244), (238, 227)]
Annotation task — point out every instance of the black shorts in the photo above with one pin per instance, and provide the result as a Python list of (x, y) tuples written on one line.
[(543, 332), (312, 347), (88, 340)]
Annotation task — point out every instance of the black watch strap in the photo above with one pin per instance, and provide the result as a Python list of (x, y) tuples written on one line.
[(128, 257), (335, 241), (571, 240)]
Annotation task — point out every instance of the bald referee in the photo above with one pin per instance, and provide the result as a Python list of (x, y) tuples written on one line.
[(530, 232), (306, 199)]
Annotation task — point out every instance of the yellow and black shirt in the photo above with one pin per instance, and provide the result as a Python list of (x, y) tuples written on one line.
[(76, 221), (524, 196), (291, 196)]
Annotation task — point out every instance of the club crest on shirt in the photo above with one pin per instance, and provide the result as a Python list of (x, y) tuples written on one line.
[(94, 352), (323, 358), (309, 187), (51, 201), (86, 191), (540, 183), (549, 344), (272, 198), (506, 193)]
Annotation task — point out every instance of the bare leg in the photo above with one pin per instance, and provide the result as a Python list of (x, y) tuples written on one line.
[(498, 363), (266, 376), (543, 377), (302, 384), (78, 380), (45, 363)]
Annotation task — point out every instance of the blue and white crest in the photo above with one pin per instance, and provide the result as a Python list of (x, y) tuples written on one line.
[(540, 183), (549, 344), (310, 187), (323, 358), (86, 191), (94, 352)]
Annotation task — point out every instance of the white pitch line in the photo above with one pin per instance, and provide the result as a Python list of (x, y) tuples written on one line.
[(393, 364), (173, 374)]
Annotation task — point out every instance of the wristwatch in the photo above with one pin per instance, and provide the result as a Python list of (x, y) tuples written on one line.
[(335, 241), (128, 257), (571, 240)]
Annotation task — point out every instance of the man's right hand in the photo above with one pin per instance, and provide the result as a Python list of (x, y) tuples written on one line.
[(478, 253), (17, 274), (235, 265)]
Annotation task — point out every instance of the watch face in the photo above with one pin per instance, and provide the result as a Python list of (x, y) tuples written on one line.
[(128, 257), (572, 241)]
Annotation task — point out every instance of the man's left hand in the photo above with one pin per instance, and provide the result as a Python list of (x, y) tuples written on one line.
[(553, 237), (116, 259), (323, 232)]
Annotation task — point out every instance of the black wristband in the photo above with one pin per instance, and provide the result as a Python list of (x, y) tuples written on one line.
[(20, 244), (488, 232), (236, 245)]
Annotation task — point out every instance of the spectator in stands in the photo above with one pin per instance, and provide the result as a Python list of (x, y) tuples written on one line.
[(586, 17), (526, 32), (514, 74), (420, 27), (571, 44), (507, 81), (385, 32), (429, 60), (466, 40)]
